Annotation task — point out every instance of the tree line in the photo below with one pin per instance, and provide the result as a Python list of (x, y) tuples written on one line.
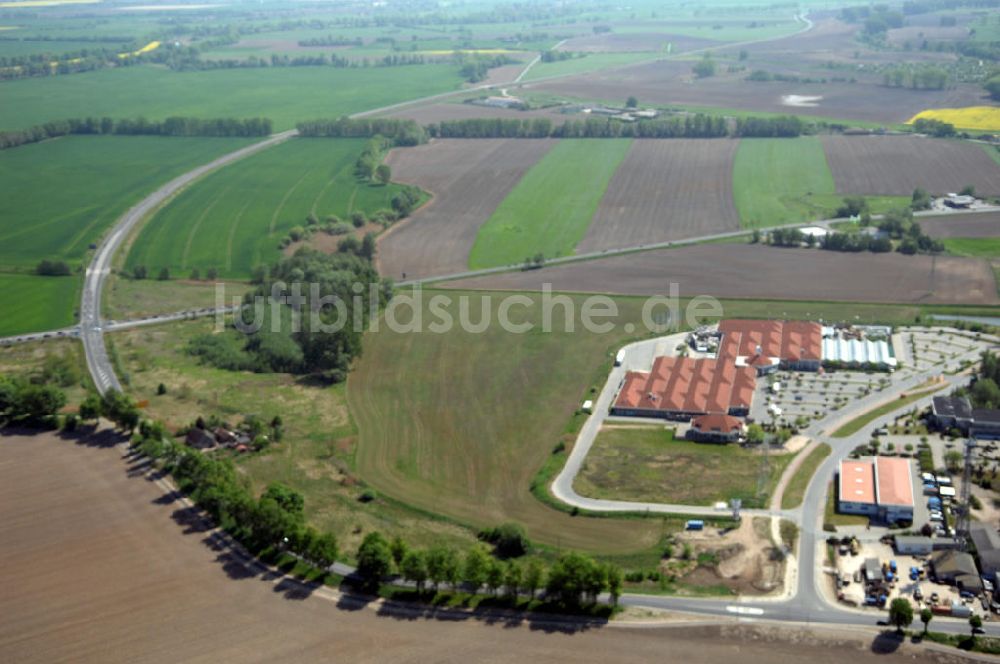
[(275, 522), (690, 126), (173, 126), (401, 132)]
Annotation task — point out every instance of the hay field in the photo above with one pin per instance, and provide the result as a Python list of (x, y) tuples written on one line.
[(897, 165), (458, 423), (233, 219), (468, 179), (666, 190), (550, 209)]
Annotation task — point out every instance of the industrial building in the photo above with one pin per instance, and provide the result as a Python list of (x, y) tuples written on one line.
[(853, 348), (680, 388), (957, 413), (880, 488)]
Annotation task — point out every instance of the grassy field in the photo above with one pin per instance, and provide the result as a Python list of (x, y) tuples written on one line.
[(796, 489), (976, 247), (549, 210), (130, 298), (648, 464), (313, 456), (832, 517), (775, 178), (57, 197), (993, 152), (286, 95), (591, 62), (36, 304), (234, 218), (30, 358)]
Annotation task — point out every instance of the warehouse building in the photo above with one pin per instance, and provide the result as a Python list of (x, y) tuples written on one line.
[(852, 348), (880, 488), (680, 388)]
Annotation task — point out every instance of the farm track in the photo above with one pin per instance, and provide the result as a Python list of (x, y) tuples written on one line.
[(896, 165)]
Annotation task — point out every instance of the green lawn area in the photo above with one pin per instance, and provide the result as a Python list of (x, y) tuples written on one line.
[(29, 358), (859, 422), (35, 304), (59, 196), (549, 210), (589, 63), (233, 219), (975, 247), (648, 464), (796, 489), (776, 179), (993, 152), (285, 94), (314, 454)]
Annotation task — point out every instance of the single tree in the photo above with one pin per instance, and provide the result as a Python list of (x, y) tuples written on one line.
[(534, 576), (414, 568), (631, 102), (383, 174), (512, 578), (925, 617), (614, 579), (164, 274), (374, 560), (475, 566), (975, 623), (494, 575), (399, 550), (900, 613)]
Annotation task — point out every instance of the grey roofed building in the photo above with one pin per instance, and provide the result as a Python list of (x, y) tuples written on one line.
[(949, 412), (914, 545), (873, 571), (985, 423), (958, 568), (987, 541)]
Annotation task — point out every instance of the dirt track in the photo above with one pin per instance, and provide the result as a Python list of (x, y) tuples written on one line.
[(469, 178), (666, 190), (745, 271), (896, 165), (98, 564), (963, 225)]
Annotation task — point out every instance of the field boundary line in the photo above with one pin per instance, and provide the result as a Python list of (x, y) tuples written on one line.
[(232, 234), (281, 205), (197, 225)]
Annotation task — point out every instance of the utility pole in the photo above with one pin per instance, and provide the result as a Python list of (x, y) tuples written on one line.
[(963, 509)]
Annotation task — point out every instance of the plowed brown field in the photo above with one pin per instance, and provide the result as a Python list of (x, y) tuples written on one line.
[(896, 165), (983, 224), (748, 271), (666, 190), (469, 178)]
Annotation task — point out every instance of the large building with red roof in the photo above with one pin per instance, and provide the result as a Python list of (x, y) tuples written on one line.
[(881, 488), (680, 388)]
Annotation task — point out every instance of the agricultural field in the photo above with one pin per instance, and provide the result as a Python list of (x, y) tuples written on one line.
[(468, 179), (233, 219), (979, 118), (899, 164), (58, 196), (592, 62), (35, 304), (979, 225), (754, 271), (276, 93), (631, 42), (666, 190), (467, 437), (550, 209), (775, 181), (975, 247), (648, 464), (135, 298)]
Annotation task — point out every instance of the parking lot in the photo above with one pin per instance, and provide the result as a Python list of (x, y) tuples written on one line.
[(812, 395), (919, 349)]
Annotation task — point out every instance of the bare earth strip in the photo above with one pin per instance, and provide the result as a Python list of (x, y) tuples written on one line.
[(99, 564), (963, 225), (442, 111), (469, 178), (749, 271), (896, 165), (666, 190)]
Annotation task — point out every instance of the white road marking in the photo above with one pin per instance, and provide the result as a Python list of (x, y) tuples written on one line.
[(745, 610)]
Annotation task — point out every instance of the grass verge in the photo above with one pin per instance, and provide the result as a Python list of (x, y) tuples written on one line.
[(859, 422), (796, 489)]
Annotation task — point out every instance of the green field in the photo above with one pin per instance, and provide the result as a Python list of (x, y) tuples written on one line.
[(775, 178), (58, 196), (592, 62), (135, 298), (976, 247), (993, 152), (36, 304), (549, 210), (648, 464), (233, 219), (285, 94)]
